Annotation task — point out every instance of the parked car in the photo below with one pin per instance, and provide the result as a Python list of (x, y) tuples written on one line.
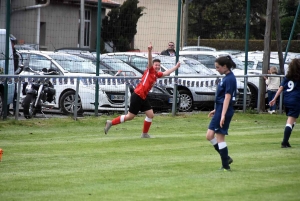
[(111, 92), (198, 48), (160, 99), (208, 58)]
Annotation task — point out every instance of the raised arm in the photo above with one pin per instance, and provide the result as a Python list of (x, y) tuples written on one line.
[(150, 62), (169, 71)]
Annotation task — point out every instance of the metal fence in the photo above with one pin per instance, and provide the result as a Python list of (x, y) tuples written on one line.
[(81, 86)]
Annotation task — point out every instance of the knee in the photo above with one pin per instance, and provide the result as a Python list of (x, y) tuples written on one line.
[(210, 135), (129, 117), (151, 116)]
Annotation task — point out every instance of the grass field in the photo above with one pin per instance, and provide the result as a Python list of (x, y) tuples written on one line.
[(63, 159)]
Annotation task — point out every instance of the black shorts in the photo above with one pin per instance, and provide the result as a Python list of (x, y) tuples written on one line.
[(138, 104)]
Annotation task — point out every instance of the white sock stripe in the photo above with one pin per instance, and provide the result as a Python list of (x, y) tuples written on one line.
[(122, 119), (222, 145), (213, 141), (148, 119), (289, 125)]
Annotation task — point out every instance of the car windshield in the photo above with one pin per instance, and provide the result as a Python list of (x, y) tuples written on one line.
[(239, 64), (200, 68), (119, 65), (169, 62), (74, 64)]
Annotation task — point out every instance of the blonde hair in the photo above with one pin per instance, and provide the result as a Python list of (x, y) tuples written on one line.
[(273, 70)]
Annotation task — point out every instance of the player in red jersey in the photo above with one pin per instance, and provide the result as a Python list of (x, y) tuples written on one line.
[(138, 100)]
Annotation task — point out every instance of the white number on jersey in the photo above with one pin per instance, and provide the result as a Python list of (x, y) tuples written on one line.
[(291, 85)]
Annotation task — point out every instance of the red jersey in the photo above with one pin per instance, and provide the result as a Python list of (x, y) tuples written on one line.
[(148, 80)]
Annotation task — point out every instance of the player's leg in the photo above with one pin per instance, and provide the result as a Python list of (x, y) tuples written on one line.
[(147, 123), (146, 107), (220, 135), (134, 108), (210, 135), (223, 150), (293, 114), (288, 131)]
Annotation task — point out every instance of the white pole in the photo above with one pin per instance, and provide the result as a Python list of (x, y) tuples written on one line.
[(38, 28), (82, 23)]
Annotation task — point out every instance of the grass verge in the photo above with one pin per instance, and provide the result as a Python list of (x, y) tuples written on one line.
[(63, 159)]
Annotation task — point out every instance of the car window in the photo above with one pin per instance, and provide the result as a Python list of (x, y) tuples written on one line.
[(200, 68), (38, 62), (239, 64), (259, 65), (139, 62), (122, 57), (250, 64), (169, 62), (117, 65), (75, 64)]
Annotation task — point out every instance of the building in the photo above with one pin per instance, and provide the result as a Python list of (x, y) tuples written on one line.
[(52, 24)]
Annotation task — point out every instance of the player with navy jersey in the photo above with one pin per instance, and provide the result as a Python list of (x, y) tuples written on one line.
[(290, 86), (138, 100), (223, 112)]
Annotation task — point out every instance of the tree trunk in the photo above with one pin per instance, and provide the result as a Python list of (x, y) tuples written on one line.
[(266, 57)]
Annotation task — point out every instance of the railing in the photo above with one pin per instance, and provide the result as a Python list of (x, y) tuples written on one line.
[(117, 80)]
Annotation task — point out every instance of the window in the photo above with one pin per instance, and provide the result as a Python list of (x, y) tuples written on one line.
[(87, 29), (38, 62)]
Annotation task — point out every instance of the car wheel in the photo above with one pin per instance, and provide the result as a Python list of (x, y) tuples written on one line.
[(186, 101), (67, 103)]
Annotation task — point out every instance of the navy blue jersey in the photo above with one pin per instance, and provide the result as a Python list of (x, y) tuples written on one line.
[(227, 86), (291, 92)]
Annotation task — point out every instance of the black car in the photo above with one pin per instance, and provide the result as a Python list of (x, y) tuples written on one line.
[(159, 98)]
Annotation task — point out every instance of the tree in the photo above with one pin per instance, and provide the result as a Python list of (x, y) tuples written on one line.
[(288, 11), (119, 26), (225, 18)]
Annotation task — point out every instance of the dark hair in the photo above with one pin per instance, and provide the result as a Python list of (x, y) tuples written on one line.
[(226, 60), (294, 70), (156, 60)]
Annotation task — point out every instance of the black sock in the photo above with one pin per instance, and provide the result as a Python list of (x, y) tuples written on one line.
[(217, 148), (287, 134), (224, 157)]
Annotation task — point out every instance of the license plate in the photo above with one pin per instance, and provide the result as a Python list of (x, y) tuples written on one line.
[(170, 100), (117, 97)]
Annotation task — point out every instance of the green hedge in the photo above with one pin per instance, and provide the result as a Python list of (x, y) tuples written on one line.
[(240, 44)]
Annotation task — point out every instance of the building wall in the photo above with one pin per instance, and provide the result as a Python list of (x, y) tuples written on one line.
[(60, 21), (158, 25)]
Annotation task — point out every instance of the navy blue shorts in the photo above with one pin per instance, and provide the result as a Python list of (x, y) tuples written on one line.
[(138, 104), (215, 121), (292, 111)]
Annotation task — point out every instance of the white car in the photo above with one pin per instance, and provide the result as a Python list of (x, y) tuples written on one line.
[(111, 91), (198, 48), (208, 59)]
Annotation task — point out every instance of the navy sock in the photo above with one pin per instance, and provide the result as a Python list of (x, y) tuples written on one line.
[(287, 134), (217, 148), (224, 157)]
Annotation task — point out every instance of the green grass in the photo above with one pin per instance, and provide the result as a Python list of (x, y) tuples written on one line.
[(63, 159)]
